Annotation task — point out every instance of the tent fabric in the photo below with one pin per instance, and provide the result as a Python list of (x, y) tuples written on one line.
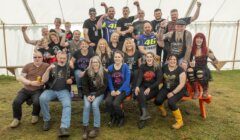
[(218, 19)]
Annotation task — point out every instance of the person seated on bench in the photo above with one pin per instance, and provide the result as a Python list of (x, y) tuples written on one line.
[(174, 79), (149, 78), (33, 87), (59, 80), (94, 87), (198, 72), (119, 86)]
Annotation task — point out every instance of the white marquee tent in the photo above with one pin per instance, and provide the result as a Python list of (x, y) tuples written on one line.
[(218, 20)]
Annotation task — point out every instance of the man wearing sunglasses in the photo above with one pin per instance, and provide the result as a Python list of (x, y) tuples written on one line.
[(33, 87)]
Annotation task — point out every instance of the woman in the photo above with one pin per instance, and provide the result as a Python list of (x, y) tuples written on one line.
[(118, 84), (114, 42), (94, 84), (132, 58), (79, 62), (57, 29), (104, 52), (148, 80), (174, 79), (198, 72)]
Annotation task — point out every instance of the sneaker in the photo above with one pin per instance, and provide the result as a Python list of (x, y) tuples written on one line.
[(94, 133), (63, 132), (15, 123), (34, 119), (46, 125)]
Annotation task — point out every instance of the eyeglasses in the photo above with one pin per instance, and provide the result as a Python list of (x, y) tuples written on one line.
[(35, 57)]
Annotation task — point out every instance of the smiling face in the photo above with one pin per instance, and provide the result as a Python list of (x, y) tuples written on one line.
[(129, 44), (125, 12), (111, 12), (149, 59), (102, 46), (172, 61), (180, 28), (84, 45), (57, 23), (199, 41), (37, 58), (62, 58), (147, 28), (174, 15), (54, 38), (158, 15), (95, 64), (118, 58), (76, 35), (114, 37)]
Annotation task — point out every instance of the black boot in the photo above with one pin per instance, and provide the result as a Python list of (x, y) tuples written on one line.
[(121, 120), (113, 120), (85, 132), (145, 115)]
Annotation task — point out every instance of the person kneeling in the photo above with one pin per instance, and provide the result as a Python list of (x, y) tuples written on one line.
[(94, 84), (58, 79), (174, 79)]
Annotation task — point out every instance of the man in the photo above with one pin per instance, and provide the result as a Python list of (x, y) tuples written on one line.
[(33, 87), (138, 25), (34, 42), (58, 80), (108, 23), (147, 41), (180, 42), (90, 31), (171, 25), (57, 29), (124, 24), (156, 25)]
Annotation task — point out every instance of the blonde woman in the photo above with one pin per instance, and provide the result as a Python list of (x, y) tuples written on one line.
[(114, 42), (149, 78), (94, 84), (132, 58), (104, 52)]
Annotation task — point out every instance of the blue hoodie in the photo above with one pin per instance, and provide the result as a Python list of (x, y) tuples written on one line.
[(126, 79)]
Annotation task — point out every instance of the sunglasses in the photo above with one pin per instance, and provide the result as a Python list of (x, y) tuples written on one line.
[(35, 57)]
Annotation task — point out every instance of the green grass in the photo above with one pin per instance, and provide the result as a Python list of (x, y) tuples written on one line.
[(222, 122)]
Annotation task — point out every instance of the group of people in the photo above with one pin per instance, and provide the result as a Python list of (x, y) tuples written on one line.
[(114, 60)]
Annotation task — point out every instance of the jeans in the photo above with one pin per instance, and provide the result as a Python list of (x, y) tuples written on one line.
[(64, 97), (24, 95), (96, 112)]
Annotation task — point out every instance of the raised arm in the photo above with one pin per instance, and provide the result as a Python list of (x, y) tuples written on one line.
[(63, 43), (100, 21), (26, 38), (136, 3), (189, 46), (195, 16)]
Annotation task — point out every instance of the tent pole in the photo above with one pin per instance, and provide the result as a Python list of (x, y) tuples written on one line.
[(235, 48), (209, 32), (5, 46)]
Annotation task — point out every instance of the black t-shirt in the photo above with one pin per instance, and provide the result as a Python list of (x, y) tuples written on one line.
[(82, 61), (171, 78), (117, 78), (46, 53), (119, 47), (156, 24), (93, 33), (106, 60), (124, 23), (138, 27), (132, 61), (149, 77), (54, 48), (58, 77)]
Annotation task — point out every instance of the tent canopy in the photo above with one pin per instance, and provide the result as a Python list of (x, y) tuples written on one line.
[(76, 11)]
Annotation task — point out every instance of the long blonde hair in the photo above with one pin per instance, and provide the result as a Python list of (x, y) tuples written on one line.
[(124, 49), (155, 65), (100, 74), (107, 48)]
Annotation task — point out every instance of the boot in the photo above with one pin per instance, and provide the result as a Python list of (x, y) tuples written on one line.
[(94, 133), (163, 111), (113, 120), (145, 115), (34, 119), (178, 117), (205, 94), (196, 92), (85, 132), (15, 123), (63, 132), (121, 120)]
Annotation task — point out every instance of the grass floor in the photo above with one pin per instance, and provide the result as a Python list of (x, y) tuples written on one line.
[(222, 122)]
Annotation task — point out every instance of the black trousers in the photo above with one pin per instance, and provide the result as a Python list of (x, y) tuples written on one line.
[(172, 102), (24, 95), (142, 98), (113, 104)]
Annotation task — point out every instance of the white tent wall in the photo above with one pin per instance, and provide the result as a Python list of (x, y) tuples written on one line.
[(237, 55), (2, 52)]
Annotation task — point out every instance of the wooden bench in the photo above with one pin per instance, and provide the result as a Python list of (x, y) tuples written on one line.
[(12, 69)]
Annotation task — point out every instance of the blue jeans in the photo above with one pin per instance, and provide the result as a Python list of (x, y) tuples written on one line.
[(77, 77), (64, 97), (96, 112)]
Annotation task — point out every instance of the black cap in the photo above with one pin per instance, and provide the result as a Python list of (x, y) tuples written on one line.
[(180, 22), (92, 10)]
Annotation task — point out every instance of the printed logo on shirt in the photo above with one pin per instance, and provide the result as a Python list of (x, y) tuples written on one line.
[(149, 75), (117, 78), (83, 62), (169, 80)]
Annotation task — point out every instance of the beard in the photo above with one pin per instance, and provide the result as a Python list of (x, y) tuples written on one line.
[(179, 36)]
